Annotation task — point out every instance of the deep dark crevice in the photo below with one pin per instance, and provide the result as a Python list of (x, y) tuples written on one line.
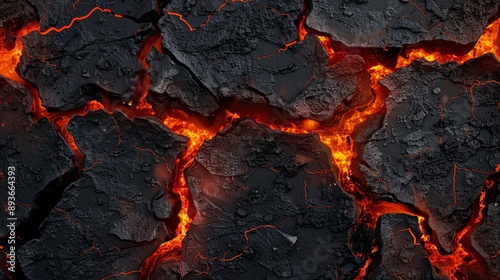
[(44, 202)]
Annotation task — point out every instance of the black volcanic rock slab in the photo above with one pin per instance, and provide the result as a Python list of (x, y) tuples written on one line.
[(486, 239), (440, 139), (112, 218), (171, 82), (96, 55), (36, 151), (400, 250), (268, 207), (396, 23), (250, 51), (59, 13)]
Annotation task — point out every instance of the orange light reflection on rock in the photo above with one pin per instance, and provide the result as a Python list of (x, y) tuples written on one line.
[(9, 58), (486, 44), (181, 124)]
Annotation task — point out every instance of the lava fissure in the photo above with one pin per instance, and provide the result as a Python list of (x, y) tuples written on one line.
[(336, 137), (45, 202)]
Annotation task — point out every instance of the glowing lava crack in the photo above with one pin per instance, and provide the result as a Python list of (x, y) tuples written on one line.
[(354, 104)]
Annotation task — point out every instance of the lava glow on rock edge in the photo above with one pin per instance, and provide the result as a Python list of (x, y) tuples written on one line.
[(334, 137)]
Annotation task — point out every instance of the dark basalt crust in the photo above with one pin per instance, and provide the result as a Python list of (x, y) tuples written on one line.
[(268, 206), (80, 64), (112, 218), (396, 23), (440, 140), (171, 82), (58, 13), (250, 51), (400, 250), (39, 155)]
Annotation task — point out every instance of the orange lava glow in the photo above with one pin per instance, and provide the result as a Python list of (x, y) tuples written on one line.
[(143, 87), (336, 138), (448, 265), (73, 20), (325, 41), (487, 43), (9, 58), (197, 135)]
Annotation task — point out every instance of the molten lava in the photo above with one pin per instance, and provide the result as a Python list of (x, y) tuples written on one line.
[(197, 135), (487, 43), (335, 137), (9, 58)]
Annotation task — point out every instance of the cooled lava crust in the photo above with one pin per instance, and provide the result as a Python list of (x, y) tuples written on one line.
[(250, 139)]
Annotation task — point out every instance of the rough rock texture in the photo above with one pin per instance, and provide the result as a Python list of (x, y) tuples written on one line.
[(268, 207), (58, 13), (110, 220), (38, 153), (77, 64), (440, 139), (486, 239), (249, 50), (401, 253), (396, 23), (14, 10), (171, 82)]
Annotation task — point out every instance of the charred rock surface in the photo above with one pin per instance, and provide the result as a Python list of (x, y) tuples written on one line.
[(38, 153), (59, 13), (113, 217), (172, 84), (401, 253), (440, 139), (250, 51), (486, 239), (95, 56), (396, 23), (268, 206), (14, 13)]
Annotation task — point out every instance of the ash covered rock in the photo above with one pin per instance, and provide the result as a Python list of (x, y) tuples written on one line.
[(486, 239), (401, 252), (396, 23), (108, 221), (268, 207), (171, 82), (250, 51), (59, 13), (36, 151), (95, 56), (439, 141)]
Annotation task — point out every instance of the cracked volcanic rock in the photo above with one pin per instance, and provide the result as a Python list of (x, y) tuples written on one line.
[(108, 221), (95, 56), (39, 154), (486, 239), (439, 141), (171, 82), (402, 254), (15, 10), (396, 23), (59, 13), (246, 50), (268, 208)]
